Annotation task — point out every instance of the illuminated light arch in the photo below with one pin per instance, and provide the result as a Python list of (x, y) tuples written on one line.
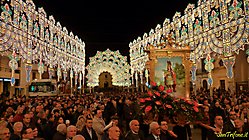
[(108, 61), (27, 32)]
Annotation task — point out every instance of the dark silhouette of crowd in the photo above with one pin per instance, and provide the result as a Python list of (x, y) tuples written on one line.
[(118, 116)]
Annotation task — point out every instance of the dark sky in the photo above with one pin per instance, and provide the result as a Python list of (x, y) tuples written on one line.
[(111, 24)]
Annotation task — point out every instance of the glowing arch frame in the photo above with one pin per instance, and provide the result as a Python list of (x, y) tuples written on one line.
[(108, 61)]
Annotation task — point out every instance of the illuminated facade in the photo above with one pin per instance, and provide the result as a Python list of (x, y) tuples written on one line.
[(111, 62), (215, 31), (38, 44)]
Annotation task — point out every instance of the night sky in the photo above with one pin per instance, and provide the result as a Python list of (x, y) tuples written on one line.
[(111, 24)]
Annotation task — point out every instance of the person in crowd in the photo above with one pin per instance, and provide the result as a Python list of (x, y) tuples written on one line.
[(87, 131), (216, 128), (182, 130), (113, 133), (19, 114), (244, 115), (134, 133), (230, 125), (61, 132), (5, 134), (9, 119), (166, 134), (27, 133), (98, 124), (240, 128), (49, 129), (71, 132), (206, 121), (78, 137), (26, 121), (17, 127), (3, 124), (154, 130)]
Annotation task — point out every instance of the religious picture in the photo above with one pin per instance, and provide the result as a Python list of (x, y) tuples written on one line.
[(170, 72), (170, 77)]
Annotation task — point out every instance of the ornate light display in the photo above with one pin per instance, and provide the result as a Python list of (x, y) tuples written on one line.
[(108, 61), (138, 59), (38, 39), (213, 27)]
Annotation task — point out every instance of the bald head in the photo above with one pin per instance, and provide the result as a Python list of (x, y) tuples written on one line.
[(78, 137), (114, 133)]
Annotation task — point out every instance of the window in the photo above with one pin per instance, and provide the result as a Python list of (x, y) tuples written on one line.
[(203, 65), (34, 75), (221, 63), (222, 84)]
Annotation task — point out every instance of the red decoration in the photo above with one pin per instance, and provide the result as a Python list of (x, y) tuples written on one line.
[(150, 93), (153, 84), (142, 100), (158, 103), (196, 109), (148, 108), (168, 106), (169, 91), (147, 99), (158, 94), (161, 88)]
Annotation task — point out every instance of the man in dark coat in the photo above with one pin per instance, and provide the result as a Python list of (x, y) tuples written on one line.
[(87, 131), (61, 132), (154, 132), (229, 125), (134, 133)]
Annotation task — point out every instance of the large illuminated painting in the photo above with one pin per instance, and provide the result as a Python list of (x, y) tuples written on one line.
[(170, 72)]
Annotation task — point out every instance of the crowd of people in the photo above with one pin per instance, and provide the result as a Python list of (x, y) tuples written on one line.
[(119, 117)]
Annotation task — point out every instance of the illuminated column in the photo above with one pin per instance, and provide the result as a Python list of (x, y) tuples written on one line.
[(80, 82), (58, 73), (147, 75), (40, 69), (83, 80), (141, 81), (136, 77), (71, 80), (76, 81), (132, 80)]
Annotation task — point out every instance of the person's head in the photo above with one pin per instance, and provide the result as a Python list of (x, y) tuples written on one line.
[(89, 122), (27, 133), (134, 125), (5, 134), (17, 127), (60, 120), (78, 137), (115, 120), (218, 121), (50, 117), (164, 125), (228, 107), (71, 131), (217, 104), (232, 115), (62, 128), (9, 118), (26, 119), (3, 124), (238, 123), (205, 101), (35, 132), (114, 133), (154, 128), (244, 110), (99, 113)]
